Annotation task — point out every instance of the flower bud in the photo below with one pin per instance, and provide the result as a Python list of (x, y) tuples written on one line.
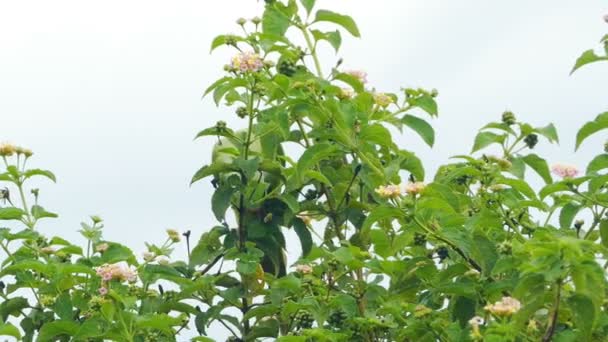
[(47, 250), (606, 18), (7, 149), (256, 20), (149, 256), (304, 269), (242, 112), (174, 235), (102, 247), (508, 118), (286, 67), (162, 260), (96, 219), (241, 21), (579, 224), (220, 125)]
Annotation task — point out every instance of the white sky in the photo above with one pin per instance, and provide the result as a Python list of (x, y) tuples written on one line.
[(107, 94)]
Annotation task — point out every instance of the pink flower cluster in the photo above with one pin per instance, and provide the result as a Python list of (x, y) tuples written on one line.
[(120, 271), (564, 170), (359, 74), (247, 62)]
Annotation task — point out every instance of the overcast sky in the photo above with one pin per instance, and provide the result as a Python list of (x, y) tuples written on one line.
[(107, 94)]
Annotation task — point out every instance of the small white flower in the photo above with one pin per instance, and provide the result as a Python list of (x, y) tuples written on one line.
[(149, 256), (162, 260)]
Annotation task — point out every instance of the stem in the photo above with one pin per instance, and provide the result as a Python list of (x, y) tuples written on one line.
[(313, 51), (30, 222), (553, 323)]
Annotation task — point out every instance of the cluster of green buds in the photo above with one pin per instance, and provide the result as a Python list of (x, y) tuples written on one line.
[(509, 118), (531, 140)]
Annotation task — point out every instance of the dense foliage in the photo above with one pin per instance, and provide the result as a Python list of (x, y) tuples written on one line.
[(387, 253)]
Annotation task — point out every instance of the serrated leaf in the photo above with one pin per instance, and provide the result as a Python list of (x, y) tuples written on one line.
[(304, 235), (567, 214), (11, 213), (587, 57), (39, 172), (583, 312), (220, 201), (420, 126), (426, 103), (313, 155), (212, 169), (485, 139), (539, 165), (343, 20), (7, 329), (598, 163), (549, 132), (377, 134), (274, 22), (590, 128)]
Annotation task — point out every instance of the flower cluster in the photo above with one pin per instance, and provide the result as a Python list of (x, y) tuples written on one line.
[(120, 271), (7, 149), (174, 235), (383, 99), (414, 188), (304, 269), (389, 191), (507, 306), (346, 93), (247, 62), (565, 170), (358, 74)]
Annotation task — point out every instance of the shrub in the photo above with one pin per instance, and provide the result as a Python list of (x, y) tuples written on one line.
[(387, 254)]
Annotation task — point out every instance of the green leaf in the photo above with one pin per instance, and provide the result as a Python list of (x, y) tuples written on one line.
[(351, 81), (308, 5), (587, 57), (379, 214), (377, 134), (51, 330), (274, 21), (552, 188), (518, 185), (539, 165), (313, 155), (591, 127), (12, 307), (38, 172), (212, 169), (426, 103), (463, 310), (11, 213), (420, 126), (485, 139), (7, 329), (304, 234), (604, 232), (343, 20), (584, 314), (162, 322), (549, 132), (567, 214), (598, 163), (39, 212), (332, 37), (220, 201)]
